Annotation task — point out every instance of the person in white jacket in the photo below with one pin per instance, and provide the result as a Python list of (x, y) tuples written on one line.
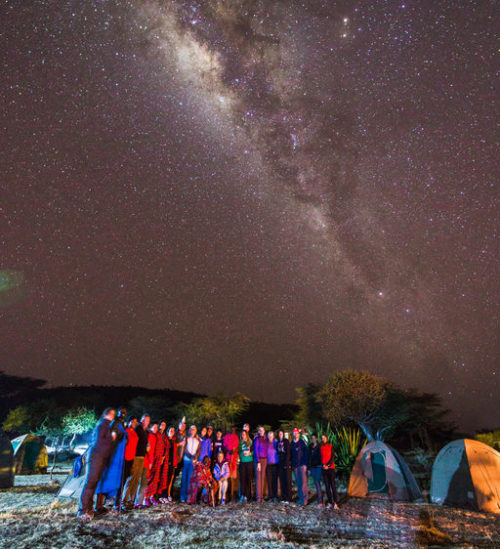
[(221, 475)]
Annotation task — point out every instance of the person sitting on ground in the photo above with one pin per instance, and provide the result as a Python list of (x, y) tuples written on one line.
[(99, 454), (221, 475), (202, 483)]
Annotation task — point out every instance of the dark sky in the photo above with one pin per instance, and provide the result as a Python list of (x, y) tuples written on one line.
[(247, 195)]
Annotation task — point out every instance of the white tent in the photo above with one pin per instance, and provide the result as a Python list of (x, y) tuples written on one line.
[(466, 473), (379, 469)]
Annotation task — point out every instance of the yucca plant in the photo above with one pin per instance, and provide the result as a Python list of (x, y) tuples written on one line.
[(346, 441)]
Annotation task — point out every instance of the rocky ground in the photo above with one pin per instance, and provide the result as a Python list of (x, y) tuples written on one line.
[(31, 517)]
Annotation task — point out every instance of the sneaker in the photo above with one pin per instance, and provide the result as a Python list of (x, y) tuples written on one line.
[(223, 502), (169, 499), (336, 507)]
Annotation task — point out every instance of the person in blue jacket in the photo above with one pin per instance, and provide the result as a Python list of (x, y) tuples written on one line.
[(299, 457)]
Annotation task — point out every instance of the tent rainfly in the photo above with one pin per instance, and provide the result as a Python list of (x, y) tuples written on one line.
[(466, 473), (379, 469)]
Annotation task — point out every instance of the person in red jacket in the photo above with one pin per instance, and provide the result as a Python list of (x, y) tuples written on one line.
[(163, 484), (328, 463), (130, 448), (231, 444), (153, 462)]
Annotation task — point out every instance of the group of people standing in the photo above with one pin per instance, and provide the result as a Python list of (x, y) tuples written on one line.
[(135, 462)]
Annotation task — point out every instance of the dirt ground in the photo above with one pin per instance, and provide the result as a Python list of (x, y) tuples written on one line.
[(31, 517)]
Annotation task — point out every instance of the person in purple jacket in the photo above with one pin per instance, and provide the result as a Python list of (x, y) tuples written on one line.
[(272, 467), (206, 444), (299, 457), (260, 451)]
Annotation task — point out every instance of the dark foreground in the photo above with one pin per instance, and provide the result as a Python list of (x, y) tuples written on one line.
[(30, 517)]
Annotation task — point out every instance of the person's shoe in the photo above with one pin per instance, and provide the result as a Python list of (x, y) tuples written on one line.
[(86, 517), (336, 507), (152, 501), (320, 505), (223, 501), (169, 499)]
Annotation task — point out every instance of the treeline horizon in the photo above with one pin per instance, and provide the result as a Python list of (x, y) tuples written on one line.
[(169, 404)]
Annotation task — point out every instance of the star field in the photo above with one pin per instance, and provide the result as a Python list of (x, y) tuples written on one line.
[(247, 195)]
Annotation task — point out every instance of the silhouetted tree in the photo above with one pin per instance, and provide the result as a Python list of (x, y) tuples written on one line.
[(219, 410), (357, 397), (310, 410)]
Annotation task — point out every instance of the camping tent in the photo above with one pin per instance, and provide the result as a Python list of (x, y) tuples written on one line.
[(466, 473), (73, 485), (30, 455), (6, 463), (379, 469)]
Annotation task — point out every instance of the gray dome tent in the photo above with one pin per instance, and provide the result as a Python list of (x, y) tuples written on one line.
[(379, 469), (6, 463), (466, 473)]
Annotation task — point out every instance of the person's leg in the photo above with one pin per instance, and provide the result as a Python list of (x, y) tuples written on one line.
[(139, 498), (243, 480), (95, 469), (269, 478), (334, 486), (187, 471), (304, 483), (133, 483), (127, 469), (223, 490), (328, 486), (298, 482), (281, 471), (258, 489), (274, 480), (263, 472), (316, 474), (289, 483), (171, 476)]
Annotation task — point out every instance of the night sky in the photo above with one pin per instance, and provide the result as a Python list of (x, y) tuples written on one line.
[(247, 195)]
